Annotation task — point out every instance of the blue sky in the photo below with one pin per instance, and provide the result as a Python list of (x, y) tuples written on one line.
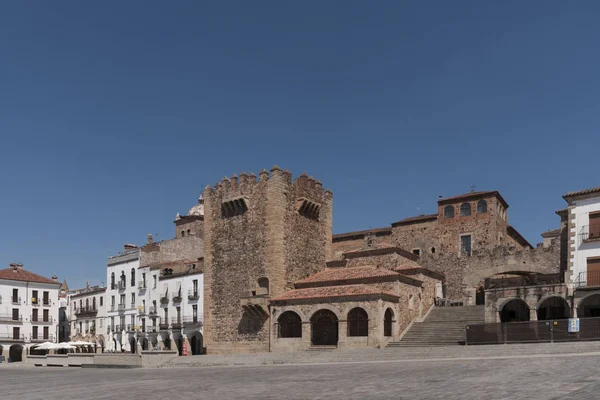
[(114, 115)]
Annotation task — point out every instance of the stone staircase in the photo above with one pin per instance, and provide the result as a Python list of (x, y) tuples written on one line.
[(443, 326)]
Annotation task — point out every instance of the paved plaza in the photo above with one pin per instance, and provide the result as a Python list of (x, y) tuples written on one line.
[(538, 377)]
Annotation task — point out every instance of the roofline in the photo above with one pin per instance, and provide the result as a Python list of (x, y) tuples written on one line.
[(416, 220), (517, 236), (359, 234), (354, 281), (59, 284), (591, 192), (381, 251), (424, 271), (475, 195), (81, 294), (394, 297), (551, 233)]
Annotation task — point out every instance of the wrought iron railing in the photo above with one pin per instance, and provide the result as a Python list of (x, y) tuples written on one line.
[(13, 337), (193, 294), (176, 296), (589, 233), (522, 280), (11, 318), (587, 279)]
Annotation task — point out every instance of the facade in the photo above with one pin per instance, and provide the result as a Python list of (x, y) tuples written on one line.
[(87, 307), (121, 294), (29, 306)]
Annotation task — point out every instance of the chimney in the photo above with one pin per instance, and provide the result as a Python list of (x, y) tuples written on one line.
[(19, 266), (14, 267), (87, 284), (54, 278), (149, 238)]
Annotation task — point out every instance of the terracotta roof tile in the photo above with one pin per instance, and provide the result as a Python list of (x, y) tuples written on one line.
[(361, 233), (415, 269), (344, 274), (23, 275), (551, 233), (325, 292), (472, 195), (582, 192), (418, 218)]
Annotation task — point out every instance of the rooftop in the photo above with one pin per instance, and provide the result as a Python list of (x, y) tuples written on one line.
[(381, 251), (17, 273), (418, 218), (551, 233), (474, 195), (327, 292), (344, 274), (359, 234), (582, 192)]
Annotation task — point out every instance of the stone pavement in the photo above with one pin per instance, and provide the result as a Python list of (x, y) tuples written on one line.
[(550, 377)]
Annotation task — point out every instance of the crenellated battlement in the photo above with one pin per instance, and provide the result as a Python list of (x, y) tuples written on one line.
[(303, 185)]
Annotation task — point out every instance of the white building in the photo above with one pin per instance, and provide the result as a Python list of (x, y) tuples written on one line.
[(87, 314), (121, 294), (584, 249), (28, 310)]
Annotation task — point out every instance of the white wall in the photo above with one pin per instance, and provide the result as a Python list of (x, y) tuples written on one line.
[(583, 250), (129, 310)]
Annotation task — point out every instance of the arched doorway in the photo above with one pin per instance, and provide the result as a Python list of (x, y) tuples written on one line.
[(133, 344), (179, 341), (196, 343), (290, 325), (554, 307), (388, 322), (167, 343), (480, 296), (154, 343), (589, 306), (515, 310), (324, 325), (144, 344), (358, 322), (16, 353)]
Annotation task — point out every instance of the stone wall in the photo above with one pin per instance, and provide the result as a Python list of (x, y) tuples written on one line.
[(272, 237), (389, 259), (495, 299), (188, 247)]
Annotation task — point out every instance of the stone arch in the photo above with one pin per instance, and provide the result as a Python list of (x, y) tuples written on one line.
[(358, 322), (589, 306), (388, 322), (294, 309), (289, 325), (101, 342), (513, 310), (153, 341), (324, 328), (475, 278), (262, 286), (552, 307), (132, 345), (15, 353), (315, 310), (196, 343), (352, 306)]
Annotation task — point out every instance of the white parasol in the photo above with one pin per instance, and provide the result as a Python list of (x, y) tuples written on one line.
[(125, 342), (64, 346)]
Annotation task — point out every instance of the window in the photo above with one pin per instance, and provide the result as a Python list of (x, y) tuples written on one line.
[(34, 296), (166, 315), (87, 304), (34, 315), (194, 313), (481, 207), (433, 250), (46, 315), (15, 314), (132, 322), (112, 280), (101, 298), (16, 333), (133, 299), (594, 225), (34, 332), (263, 286), (93, 303), (46, 298), (195, 286), (290, 325), (465, 209), (46, 333), (112, 300), (132, 276), (154, 277), (122, 300), (449, 212), (112, 323), (80, 304), (15, 296), (182, 233), (178, 309), (465, 245), (416, 252), (358, 322)]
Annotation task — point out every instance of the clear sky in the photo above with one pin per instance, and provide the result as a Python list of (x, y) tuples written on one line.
[(115, 114)]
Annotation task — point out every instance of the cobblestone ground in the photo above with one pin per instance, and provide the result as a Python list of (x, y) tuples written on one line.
[(518, 378)]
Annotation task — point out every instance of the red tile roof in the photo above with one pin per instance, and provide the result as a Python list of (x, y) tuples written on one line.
[(582, 192), (416, 269), (378, 251), (325, 292), (344, 274), (418, 218), (338, 236), (22, 275), (474, 195)]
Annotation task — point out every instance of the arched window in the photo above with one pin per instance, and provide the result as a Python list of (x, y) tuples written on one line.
[(290, 325), (189, 232), (94, 303), (388, 320), (465, 209), (449, 212), (87, 304), (358, 322), (263, 286), (132, 276), (112, 280), (182, 233), (481, 207)]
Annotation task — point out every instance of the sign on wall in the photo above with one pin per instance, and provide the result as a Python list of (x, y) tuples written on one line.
[(573, 325)]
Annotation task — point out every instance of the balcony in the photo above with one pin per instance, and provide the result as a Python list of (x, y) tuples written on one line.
[(141, 310), (38, 339), (130, 328), (164, 299), (43, 321), (176, 323), (193, 294), (152, 312), (86, 311), (122, 285), (588, 279), (12, 338), (142, 285), (152, 329), (46, 302), (16, 300), (113, 307), (163, 325), (176, 297), (35, 302), (192, 321), (121, 307), (590, 233), (10, 319)]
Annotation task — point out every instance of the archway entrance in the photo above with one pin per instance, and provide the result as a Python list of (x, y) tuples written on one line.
[(144, 343), (180, 344), (133, 345), (196, 343), (515, 310), (16, 353), (167, 343), (554, 307), (480, 296), (388, 320), (324, 328), (589, 307)]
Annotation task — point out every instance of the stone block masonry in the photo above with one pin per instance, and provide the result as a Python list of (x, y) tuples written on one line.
[(259, 237)]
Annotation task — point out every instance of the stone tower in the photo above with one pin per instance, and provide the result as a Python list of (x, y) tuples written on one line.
[(260, 236)]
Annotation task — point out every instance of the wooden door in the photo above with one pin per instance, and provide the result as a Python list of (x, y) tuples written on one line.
[(593, 271), (594, 225)]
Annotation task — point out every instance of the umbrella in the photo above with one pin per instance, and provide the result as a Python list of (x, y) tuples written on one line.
[(125, 343), (172, 340), (64, 346), (47, 346)]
